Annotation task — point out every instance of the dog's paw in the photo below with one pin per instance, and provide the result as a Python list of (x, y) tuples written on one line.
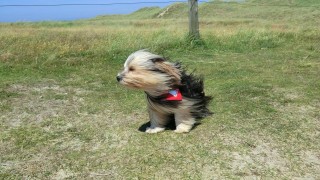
[(183, 128), (154, 130)]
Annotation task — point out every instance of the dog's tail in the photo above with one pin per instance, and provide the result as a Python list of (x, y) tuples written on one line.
[(200, 109), (192, 87)]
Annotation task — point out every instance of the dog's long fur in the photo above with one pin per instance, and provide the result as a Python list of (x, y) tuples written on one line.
[(156, 76)]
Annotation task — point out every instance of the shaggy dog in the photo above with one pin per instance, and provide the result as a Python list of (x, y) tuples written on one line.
[(170, 91)]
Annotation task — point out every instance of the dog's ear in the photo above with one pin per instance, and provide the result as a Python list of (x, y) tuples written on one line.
[(168, 68), (159, 59)]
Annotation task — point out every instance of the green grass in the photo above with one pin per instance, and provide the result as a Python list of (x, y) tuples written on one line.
[(63, 115)]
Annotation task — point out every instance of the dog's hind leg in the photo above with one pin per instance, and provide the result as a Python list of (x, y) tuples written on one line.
[(157, 120), (184, 121)]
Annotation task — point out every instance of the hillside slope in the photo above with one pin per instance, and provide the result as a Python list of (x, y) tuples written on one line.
[(221, 9), (294, 14)]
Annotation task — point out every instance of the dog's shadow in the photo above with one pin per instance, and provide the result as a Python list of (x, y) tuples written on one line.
[(171, 126)]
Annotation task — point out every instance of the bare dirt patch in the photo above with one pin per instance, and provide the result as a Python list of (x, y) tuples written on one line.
[(38, 102), (262, 158)]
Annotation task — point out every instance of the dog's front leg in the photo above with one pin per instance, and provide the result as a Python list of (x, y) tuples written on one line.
[(157, 121), (184, 121)]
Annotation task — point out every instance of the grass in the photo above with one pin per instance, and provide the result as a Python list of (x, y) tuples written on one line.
[(63, 115)]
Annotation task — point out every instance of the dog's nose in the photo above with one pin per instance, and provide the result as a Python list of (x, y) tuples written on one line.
[(119, 78)]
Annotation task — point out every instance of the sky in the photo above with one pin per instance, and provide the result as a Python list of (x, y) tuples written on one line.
[(58, 13)]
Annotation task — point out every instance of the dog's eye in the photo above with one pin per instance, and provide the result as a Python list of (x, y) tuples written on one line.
[(131, 69)]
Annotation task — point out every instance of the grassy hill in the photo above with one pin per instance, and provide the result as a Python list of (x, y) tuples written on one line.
[(287, 14), (287, 2), (63, 115)]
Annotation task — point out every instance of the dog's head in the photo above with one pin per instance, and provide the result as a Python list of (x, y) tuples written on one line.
[(149, 72)]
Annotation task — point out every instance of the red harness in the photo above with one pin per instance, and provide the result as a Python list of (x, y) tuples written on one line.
[(174, 95)]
